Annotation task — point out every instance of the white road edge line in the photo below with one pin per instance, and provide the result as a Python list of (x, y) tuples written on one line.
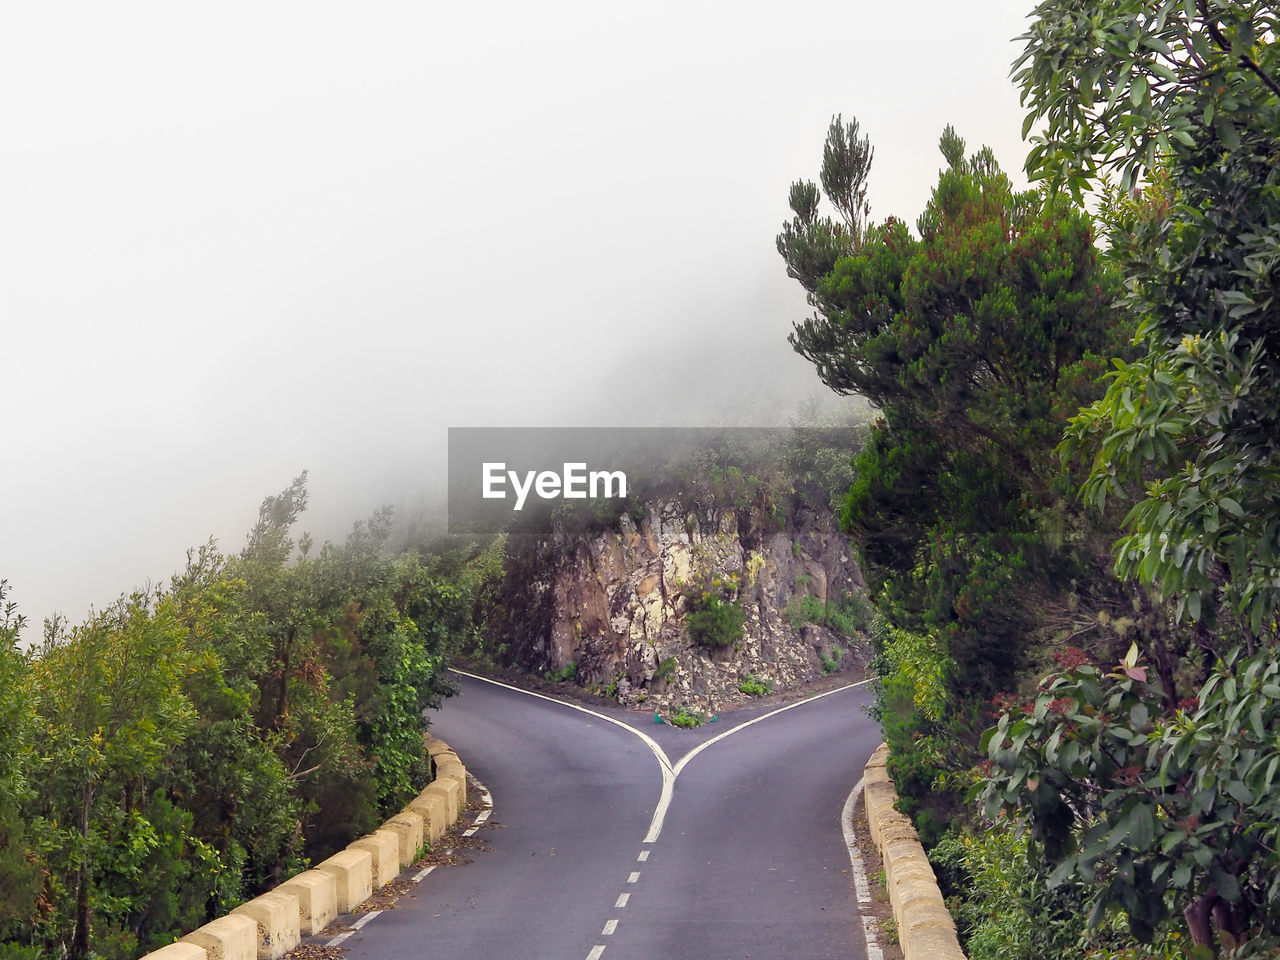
[(669, 773), (668, 777), (858, 866), (418, 877)]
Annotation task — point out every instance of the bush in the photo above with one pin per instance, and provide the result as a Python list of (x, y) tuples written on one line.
[(565, 674), (665, 669), (683, 717), (714, 622), (1004, 909), (753, 687)]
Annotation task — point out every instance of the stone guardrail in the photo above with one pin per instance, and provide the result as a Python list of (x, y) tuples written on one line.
[(926, 930), (269, 926)]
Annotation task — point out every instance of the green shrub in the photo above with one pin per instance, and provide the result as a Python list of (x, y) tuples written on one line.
[(850, 617), (683, 717), (565, 674), (753, 687), (666, 668), (1004, 909), (714, 622)]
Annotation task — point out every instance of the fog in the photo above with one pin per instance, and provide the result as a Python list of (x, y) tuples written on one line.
[(242, 240)]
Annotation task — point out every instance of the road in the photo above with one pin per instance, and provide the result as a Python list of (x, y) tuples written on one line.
[(624, 839)]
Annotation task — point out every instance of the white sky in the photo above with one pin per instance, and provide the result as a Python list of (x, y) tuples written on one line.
[(238, 240)]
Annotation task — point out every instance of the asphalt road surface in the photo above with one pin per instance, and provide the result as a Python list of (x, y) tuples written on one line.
[(618, 838)]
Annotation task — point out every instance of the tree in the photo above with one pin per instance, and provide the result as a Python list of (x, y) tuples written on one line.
[(1150, 807), (975, 337), (111, 708), (1182, 100), (1188, 95), (19, 874), (973, 340)]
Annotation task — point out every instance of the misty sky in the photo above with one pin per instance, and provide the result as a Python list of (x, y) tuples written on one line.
[(243, 239)]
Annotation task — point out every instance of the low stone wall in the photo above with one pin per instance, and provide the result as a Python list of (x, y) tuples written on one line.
[(925, 928), (270, 925)]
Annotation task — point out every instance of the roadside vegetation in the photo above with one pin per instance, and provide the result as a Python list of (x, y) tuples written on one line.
[(1068, 512), (190, 746)]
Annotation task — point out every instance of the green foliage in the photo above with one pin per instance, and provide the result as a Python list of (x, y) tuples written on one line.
[(19, 876), (1188, 94), (566, 674), (666, 668), (199, 743), (753, 687), (1148, 803), (850, 616), (928, 735), (683, 717), (1004, 910), (972, 339), (831, 661), (713, 620), (1134, 81)]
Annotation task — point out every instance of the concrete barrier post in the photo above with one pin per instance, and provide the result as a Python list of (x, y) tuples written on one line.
[(408, 826), (317, 894), (233, 937), (432, 808), (384, 847), (182, 950), (279, 928), (352, 872), (926, 930)]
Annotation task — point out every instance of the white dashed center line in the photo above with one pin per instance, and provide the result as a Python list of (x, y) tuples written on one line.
[(634, 877), (622, 900), (609, 927), (644, 855)]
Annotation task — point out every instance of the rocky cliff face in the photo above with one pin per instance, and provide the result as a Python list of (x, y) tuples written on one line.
[(614, 601)]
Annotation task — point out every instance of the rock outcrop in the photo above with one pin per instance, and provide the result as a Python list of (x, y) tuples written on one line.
[(613, 600)]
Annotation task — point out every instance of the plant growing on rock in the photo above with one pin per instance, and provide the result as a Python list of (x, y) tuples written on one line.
[(685, 718), (714, 619), (753, 687)]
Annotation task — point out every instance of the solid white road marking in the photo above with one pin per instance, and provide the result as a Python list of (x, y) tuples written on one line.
[(669, 773), (668, 777), (609, 927), (858, 866), (688, 757), (487, 798), (851, 843)]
